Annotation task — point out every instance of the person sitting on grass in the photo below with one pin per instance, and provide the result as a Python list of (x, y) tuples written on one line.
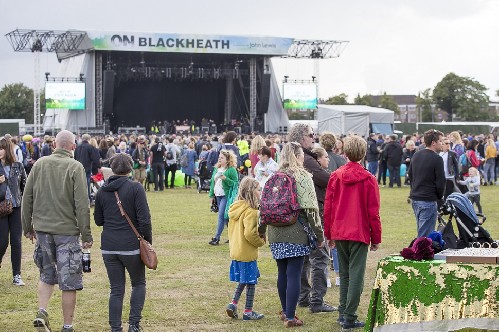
[(351, 223), (244, 242)]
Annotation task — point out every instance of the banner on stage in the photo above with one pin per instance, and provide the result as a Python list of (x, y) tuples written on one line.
[(180, 43)]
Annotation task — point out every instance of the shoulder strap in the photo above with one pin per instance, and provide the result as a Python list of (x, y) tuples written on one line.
[(123, 213)]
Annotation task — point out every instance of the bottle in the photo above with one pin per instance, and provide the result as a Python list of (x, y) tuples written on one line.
[(85, 259)]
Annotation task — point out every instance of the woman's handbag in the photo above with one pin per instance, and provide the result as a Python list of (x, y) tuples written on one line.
[(147, 253), (312, 238), (214, 205), (5, 207), (6, 204)]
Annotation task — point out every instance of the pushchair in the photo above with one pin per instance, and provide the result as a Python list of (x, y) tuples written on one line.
[(96, 181), (203, 176), (471, 233)]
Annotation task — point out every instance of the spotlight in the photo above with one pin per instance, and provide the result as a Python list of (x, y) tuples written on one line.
[(47, 74), (313, 78), (81, 77), (286, 79)]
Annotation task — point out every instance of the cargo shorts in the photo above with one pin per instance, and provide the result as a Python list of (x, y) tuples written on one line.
[(58, 257)]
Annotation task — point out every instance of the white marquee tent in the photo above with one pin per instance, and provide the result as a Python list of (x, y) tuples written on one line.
[(358, 119)]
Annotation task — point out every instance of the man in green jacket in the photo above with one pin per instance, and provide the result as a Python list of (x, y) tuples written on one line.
[(55, 212)]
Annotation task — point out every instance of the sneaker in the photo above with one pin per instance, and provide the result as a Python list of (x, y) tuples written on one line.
[(67, 329), (253, 315), (41, 322), (135, 327), (231, 310), (323, 308), (328, 282), (282, 315), (293, 322), (17, 280), (337, 281), (214, 242), (341, 320), (349, 325)]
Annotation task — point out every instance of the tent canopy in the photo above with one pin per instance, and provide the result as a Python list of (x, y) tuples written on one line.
[(358, 119)]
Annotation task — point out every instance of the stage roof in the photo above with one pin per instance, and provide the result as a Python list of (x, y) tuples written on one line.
[(72, 42)]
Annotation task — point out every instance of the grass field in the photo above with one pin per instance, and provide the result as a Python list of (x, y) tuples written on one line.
[(190, 289)]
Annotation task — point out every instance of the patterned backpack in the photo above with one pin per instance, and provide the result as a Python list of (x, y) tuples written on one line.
[(279, 203)]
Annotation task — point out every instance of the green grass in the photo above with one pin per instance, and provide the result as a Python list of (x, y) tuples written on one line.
[(190, 289)]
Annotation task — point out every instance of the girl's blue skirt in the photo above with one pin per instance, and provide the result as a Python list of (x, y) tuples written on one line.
[(244, 272)]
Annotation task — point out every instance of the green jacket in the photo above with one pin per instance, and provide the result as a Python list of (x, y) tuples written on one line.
[(55, 199), (230, 181)]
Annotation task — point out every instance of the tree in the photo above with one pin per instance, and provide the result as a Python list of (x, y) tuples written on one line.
[(364, 100), (424, 103), (462, 97), (16, 102), (388, 102), (340, 99)]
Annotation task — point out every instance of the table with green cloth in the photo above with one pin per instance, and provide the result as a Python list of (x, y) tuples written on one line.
[(433, 296)]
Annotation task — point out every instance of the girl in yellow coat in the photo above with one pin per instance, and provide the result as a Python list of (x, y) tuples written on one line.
[(244, 241)]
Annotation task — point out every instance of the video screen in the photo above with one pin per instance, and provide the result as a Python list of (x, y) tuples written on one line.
[(67, 95), (300, 95)]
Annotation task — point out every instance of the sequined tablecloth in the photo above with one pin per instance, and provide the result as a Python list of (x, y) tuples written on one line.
[(433, 296)]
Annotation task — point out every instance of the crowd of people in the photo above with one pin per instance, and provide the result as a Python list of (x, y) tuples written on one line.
[(332, 175)]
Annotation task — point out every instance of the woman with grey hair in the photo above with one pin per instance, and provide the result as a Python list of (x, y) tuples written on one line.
[(119, 245)]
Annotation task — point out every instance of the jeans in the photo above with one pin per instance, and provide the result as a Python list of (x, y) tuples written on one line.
[(115, 266), (158, 170), (288, 283), (352, 258), (334, 257), (11, 226), (488, 170), (170, 168), (221, 201), (382, 172), (372, 167), (394, 175), (315, 266), (475, 199), (426, 216)]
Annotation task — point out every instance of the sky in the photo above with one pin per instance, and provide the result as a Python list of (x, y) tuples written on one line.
[(395, 46)]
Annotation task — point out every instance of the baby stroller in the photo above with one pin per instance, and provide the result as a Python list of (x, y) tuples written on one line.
[(471, 233), (204, 176)]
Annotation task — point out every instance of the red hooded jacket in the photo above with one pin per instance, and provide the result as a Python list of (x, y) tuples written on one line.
[(351, 207)]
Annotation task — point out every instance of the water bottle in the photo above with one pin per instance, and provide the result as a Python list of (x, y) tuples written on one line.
[(85, 259)]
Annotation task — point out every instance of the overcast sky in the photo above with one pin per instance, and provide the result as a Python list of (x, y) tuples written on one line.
[(397, 46)]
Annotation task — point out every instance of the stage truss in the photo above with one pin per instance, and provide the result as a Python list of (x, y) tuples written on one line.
[(37, 41), (316, 49)]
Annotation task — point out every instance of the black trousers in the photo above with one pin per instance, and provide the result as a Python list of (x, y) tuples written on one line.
[(170, 168), (11, 227)]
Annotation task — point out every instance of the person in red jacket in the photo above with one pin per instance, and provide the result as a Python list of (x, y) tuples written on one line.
[(352, 223)]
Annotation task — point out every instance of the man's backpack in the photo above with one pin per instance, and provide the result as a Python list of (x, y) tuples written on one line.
[(184, 161), (279, 203), (464, 163)]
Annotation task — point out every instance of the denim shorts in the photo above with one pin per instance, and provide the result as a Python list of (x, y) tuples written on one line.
[(58, 257)]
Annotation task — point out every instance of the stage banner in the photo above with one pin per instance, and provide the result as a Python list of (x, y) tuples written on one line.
[(179, 43)]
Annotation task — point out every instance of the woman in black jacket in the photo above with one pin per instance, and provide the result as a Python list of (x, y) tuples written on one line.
[(12, 182), (119, 245)]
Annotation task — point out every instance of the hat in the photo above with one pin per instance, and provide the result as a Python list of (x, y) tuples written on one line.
[(121, 164), (27, 138)]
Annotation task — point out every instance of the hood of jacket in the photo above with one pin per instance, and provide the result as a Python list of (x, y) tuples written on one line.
[(352, 173), (237, 209), (114, 183)]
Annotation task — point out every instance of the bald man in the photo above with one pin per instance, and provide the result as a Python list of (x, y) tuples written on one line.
[(55, 212)]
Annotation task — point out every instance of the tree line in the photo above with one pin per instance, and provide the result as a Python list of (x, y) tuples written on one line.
[(461, 97)]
